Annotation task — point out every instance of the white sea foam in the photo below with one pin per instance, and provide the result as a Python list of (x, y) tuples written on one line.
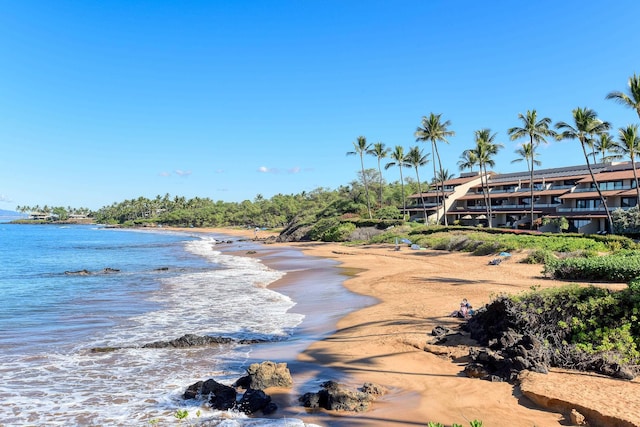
[(132, 386)]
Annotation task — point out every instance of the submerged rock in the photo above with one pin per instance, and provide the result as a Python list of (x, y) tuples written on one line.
[(192, 340)]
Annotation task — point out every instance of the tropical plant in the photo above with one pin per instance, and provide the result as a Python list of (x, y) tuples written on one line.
[(361, 148), (467, 160), (442, 176), (380, 152), (629, 145), (605, 144), (400, 160), (586, 126), (435, 130), (485, 149), (416, 158), (630, 99), (536, 131)]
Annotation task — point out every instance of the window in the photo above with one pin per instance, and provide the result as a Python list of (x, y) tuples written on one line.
[(609, 185), (587, 203), (627, 202)]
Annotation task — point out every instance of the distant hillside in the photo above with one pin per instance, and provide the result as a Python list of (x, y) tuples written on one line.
[(4, 215)]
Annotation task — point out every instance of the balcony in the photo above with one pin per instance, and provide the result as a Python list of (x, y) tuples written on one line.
[(598, 209)]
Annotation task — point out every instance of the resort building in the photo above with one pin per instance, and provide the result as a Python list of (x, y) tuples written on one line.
[(560, 192)]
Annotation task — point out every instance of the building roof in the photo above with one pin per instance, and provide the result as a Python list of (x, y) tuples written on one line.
[(609, 176), (626, 193), (589, 194), (548, 174), (550, 192), (429, 193), (460, 180)]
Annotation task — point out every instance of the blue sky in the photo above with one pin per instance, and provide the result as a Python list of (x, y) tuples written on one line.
[(111, 100)]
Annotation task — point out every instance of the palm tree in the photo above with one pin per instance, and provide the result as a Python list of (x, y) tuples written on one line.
[(527, 152), (629, 145), (400, 160), (434, 130), (416, 158), (380, 151), (630, 99), (586, 126), (485, 149), (442, 175), (360, 148), (536, 130), (467, 160), (605, 144)]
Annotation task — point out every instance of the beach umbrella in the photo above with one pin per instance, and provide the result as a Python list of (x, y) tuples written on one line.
[(407, 241), (505, 254)]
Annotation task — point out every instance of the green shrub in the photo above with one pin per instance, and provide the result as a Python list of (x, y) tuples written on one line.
[(538, 256), (609, 268)]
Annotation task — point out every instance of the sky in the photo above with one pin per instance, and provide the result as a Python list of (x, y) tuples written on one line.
[(110, 100)]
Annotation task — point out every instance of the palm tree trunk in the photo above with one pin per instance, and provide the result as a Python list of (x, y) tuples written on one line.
[(404, 204), (485, 191), (380, 172), (490, 213), (366, 187), (595, 183), (635, 177), (424, 208), (531, 188), (444, 203), (435, 179)]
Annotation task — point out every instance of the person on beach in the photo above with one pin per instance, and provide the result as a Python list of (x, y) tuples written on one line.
[(465, 310), (255, 233)]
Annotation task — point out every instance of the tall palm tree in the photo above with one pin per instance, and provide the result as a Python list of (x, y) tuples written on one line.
[(434, 130), (416, 158), (380, 151), (467, 160), (603, 145), (361, 147), (400, 160), (485, 149), (586, 126), (629, 145), (536, 130), (630, 99)]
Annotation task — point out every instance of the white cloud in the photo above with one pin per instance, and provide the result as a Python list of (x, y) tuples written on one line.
[(264, 169), (165, 173), (5, 199), (295, 169), (182, 173)]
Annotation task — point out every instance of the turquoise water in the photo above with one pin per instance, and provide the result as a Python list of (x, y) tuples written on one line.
[(166, 285)]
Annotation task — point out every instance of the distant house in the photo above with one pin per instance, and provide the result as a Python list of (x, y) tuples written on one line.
[(560, 192), (40, 216)]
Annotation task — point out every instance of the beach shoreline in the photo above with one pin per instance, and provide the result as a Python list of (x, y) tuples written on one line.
[(386, 342)]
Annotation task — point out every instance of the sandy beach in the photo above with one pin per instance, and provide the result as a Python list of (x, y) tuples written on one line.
[(388, 343)]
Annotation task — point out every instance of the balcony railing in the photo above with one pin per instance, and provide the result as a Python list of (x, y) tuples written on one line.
[(599, 209)]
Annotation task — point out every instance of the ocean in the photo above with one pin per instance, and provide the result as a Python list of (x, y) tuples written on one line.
[(143, 286)]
